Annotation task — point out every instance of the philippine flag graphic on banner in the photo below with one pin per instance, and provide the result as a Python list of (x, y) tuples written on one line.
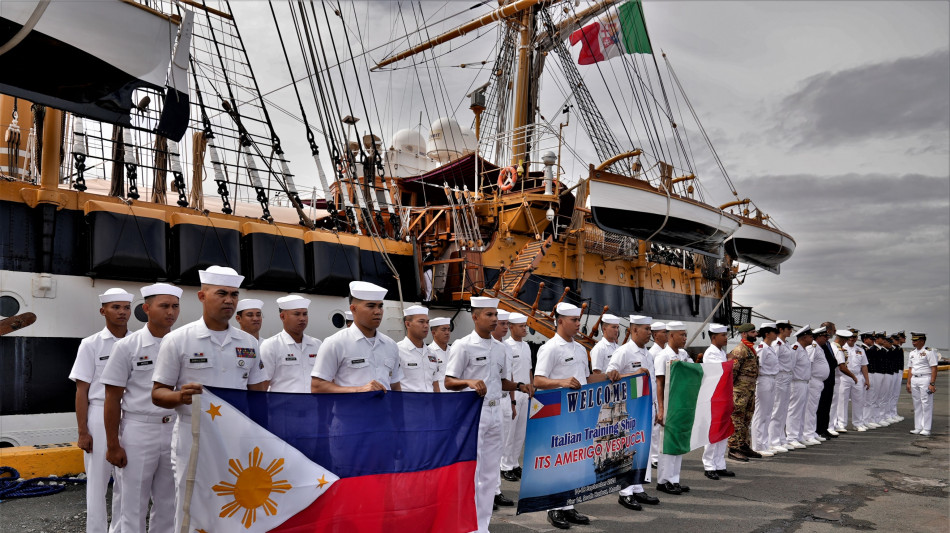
[(545, 404), (334, 462)]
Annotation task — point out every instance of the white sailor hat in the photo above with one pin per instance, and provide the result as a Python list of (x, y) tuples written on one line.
[(160, 288), (415, 310), (675, 325), (819, 331), (362, 290), (115, 295), (844, 333), (658, 326), (222, 276), (806, 330), (765, 325), (503, 315), (610, 319), (641, 320), (348, 315), (249, 303), (566, 309), (718, 328), (517, 318), (484, 301), (439, 321), (292, 301)]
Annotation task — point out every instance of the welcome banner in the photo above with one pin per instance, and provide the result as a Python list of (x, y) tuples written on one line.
[(586, 443)]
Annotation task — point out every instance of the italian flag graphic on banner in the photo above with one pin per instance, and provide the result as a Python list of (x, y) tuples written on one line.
[(614, 34), (698, 406)]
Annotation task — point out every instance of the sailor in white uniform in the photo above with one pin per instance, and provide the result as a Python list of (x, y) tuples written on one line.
[(783, 379), (839, 348), (441, 330), (658, 330), (288, 357), (857, 363), (714, 453), (419, 368), (765, 391), (348, 318), (478, 362), (359, 358), (669, 466), (138, 432), (607, 345), (115, 306), (630, 359), (508, 410), (798, 389), (520, 373), (249, 315), (818, 374), (208, 351), (922, 383)]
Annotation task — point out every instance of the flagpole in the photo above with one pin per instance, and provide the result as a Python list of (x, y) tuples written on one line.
[(192, 463)]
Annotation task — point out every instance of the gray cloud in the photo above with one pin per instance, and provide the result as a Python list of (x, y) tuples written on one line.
[(892, 99)]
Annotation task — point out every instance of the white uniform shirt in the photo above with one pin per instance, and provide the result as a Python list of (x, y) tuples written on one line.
[(802, 368), (783, 351), (921, 360), (856, 359), (655, 349), (418, 370), (630, 358), (192, 354), (714, 355), (473, 357), (351, 359), (768, 359), (819, 365), (91, 359), (287, 365), (441, 357), (561, 359), (841, 355), (520, 360), (600, 354), (131, 366), (668, 355)]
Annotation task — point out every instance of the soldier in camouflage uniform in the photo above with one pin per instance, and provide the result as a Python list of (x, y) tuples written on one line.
[(745, 370)]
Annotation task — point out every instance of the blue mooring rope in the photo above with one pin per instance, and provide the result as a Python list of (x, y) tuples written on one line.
[(11, 487)]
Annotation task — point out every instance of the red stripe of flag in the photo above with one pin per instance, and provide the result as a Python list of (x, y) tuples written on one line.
[(720, 426)]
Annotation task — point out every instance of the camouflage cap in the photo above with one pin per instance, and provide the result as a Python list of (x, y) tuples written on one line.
[(745, 328)]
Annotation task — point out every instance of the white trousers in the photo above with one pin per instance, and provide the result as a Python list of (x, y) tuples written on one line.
[(797, 403), (98, 472), (895, 392), (514, 431), (714, 455), (923, 402), (487, 473), (779, 416), (835, 397), (764, 400), (811, 409), (668, 468), (148, 475), (874, 398), (853, 392)]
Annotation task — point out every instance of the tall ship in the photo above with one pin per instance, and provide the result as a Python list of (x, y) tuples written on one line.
[(139, 146)]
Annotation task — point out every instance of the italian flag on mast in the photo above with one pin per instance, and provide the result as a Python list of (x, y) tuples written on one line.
[(697, 407), (614, 34)]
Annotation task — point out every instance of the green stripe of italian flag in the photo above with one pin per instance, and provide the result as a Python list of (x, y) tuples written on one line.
[(698, 406)]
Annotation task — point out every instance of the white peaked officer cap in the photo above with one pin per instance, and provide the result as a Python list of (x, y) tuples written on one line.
[(503, 315), (675, 326), (783, 321), (115, 295), (416, 310), (658, 326), (566, 309), (610, 319), (160, 288), (844, 333), (806, 330), (641, 320), (718, 328), (249, 303), (347, 315), (362, 290), (484, 301), (439, 321), (292, 301), (517, 318), (818, 331), (768, 325), (219, 275)]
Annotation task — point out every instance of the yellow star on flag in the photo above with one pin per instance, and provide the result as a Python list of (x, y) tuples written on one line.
[(535, 406), (322, 481), (214, 411)]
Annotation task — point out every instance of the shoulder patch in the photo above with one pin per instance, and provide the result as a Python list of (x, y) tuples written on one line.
[(779, 343), (795, 347)]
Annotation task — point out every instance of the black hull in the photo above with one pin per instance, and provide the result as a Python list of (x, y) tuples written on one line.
[(681, 233), (764, 254)]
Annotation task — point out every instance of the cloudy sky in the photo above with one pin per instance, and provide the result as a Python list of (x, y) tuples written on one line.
[(834, 117)]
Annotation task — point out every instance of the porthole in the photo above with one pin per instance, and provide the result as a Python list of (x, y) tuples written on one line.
[(673, 283), (140, 313), (338, 320), (9, 306)]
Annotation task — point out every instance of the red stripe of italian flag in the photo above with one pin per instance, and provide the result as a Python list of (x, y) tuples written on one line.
[(698, 406)]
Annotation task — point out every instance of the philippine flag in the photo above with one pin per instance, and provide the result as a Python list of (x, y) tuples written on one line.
[(545, 404), (366, 462)]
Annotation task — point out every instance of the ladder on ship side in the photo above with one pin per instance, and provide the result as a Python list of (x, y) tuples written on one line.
[(513, 279)]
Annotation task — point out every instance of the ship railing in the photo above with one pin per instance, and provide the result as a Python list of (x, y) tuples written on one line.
[(525, 147)]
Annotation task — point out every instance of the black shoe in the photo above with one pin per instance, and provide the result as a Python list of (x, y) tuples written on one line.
[(736, 455), (502, 500), (494, 507), (630, 503), (668, 488), (557, 519), (643, 497), (574, 517), (517, 471), (749, 452), (726, 473), (827, 435), (711, 474), (682, 488), (509, 475)]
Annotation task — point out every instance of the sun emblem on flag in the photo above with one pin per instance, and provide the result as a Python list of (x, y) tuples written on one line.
[(252, 487)]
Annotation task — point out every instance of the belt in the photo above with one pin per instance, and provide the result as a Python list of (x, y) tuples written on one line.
[(97, 402), (492, 403), (151, 419), (920, 375)]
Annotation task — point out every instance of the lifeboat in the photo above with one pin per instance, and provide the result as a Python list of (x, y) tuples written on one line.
[(757, 244)]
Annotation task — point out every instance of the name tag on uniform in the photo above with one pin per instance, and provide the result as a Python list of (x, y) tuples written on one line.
[(143, 363), (569, 359), (412, 364), (482, 358), (635, 365), (198, 360), (103, 358), (358, 361), (290, 358), (246, 352), (515, 356)]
